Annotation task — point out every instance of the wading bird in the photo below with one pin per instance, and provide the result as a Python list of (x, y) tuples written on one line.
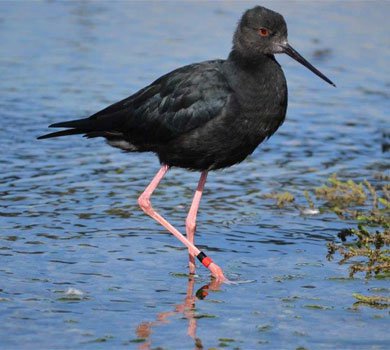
[(203, 116)]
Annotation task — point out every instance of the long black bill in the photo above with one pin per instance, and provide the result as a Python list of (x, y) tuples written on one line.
[(296, 56)]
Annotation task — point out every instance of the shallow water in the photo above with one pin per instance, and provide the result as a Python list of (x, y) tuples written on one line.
[(68, 211)]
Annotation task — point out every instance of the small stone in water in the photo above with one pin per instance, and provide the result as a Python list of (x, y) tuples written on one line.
[(73, 292), (310, 211)]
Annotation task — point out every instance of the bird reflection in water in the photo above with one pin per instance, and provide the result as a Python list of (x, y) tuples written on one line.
[(187, 308)]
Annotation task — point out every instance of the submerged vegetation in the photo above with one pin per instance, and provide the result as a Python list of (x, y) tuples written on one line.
[(378, 302), (281, 198), (364, 202), (372, 247), (369, 206), (365, 246)]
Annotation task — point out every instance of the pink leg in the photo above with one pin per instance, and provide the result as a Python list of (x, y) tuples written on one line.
[(191, 218), (145, 204)]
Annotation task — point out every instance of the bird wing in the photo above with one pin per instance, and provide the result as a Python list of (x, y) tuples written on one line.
[(179, 102), (174, 104)]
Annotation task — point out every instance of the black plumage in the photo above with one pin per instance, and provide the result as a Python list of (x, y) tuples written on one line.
[(207, 115), (203, 116)]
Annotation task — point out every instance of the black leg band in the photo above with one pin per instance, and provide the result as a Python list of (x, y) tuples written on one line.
[(204, 259), (201, 256)]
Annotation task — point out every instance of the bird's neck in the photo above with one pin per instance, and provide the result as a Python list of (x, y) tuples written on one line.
[(249, 62), (259, 83), (254, 74)]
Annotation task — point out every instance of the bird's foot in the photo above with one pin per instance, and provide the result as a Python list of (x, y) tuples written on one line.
[(191, 266), (217, 273), (191, 263)]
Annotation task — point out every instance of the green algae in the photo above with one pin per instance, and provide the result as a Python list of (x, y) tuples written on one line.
[(317, 307), (102, 339), (340, 194), (373, 301), (364, 247), (364, 202), (282, 198), (368, 246)]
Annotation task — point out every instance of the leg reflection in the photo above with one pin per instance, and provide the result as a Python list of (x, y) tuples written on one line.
[(187, 308)]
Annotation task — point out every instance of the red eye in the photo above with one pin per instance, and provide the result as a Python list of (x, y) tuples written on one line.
[(263, 32)]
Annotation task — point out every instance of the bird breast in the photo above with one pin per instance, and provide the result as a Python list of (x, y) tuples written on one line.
[(261, 105)]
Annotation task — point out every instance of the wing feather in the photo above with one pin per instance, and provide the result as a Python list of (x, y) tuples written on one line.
[(174, 104)]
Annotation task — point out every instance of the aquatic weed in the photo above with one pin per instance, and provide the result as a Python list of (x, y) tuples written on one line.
[(282, 198), (366, 247), (369, 250), (357, 201), (378, 302), (372, 247), (339, 194)]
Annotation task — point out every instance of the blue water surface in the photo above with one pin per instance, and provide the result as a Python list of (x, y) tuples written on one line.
[(81, 267)]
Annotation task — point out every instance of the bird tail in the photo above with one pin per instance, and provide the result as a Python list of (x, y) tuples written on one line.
[(90, 127), (75, 127)]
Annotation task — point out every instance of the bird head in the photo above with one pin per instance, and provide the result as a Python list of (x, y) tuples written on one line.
[(264, 32)]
